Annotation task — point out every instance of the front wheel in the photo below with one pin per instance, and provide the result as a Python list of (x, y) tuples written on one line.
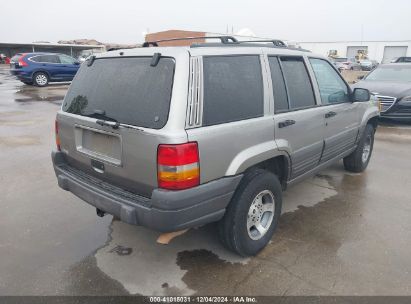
[(40, 79), (253, 213), (358, 160)]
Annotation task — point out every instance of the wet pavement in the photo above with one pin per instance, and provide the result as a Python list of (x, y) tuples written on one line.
[(340, 234)]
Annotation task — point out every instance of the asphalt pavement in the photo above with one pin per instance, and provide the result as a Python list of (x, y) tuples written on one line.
[(340, 233)]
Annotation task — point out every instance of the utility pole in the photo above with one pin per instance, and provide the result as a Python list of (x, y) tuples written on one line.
[(362, 32)]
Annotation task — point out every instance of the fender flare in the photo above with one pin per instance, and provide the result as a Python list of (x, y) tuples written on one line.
[(255, 155)]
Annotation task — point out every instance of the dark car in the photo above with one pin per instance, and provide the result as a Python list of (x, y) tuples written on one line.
[(391, 84), (401, 59), (41, 68)]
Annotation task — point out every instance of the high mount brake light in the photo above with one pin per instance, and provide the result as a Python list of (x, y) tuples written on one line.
[(178, 166)]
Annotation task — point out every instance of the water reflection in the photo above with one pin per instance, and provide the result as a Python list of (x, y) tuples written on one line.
[(77, 105), (54, 94)]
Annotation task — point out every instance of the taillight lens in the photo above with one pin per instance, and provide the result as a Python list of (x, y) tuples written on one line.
[(22, 63), (178, 166), (56, 128)]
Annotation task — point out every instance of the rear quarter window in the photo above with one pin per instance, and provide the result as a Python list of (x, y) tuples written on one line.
[(129, 90), (233, 89)]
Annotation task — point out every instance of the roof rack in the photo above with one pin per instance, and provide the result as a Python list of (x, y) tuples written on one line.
[(275, 42), (223, 39)]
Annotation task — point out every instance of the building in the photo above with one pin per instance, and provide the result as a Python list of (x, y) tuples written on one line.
[(170, 34), (382, 51), (74, 50)]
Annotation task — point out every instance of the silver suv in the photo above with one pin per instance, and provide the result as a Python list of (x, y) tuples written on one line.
[(178, 137)]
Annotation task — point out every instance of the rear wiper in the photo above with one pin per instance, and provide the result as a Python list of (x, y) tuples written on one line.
[(108, 123), (103, 119)]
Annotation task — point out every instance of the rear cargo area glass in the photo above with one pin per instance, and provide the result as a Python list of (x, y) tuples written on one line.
[(128, 90)]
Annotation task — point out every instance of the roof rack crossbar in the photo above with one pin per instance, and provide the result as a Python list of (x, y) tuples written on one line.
[(223, 39), (276, 42)]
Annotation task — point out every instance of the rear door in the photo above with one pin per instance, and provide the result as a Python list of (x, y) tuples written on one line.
[(50, 63), (69, 67), (298, 120), (130, 91), (341, 116), (14, 61)]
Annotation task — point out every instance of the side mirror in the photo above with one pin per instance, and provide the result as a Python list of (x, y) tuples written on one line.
[(360, 77), (77, 63), (361, 95)]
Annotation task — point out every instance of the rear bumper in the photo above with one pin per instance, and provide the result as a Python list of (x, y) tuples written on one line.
[(21, 74), (165, 211)]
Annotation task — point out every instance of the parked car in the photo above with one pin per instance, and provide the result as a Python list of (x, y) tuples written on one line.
[(401, 59), (171, 138), (368, 65), (3, 58), (41, 68), (391, 85), (346, 64)]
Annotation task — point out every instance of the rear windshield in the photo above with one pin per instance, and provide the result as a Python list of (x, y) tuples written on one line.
[(15, 58), (127, 90)]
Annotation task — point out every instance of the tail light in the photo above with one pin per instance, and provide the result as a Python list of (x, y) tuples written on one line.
[(22, 63), (56, 125), (178, 166)]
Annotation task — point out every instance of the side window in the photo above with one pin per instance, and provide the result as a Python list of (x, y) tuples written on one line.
[(36, 58), (279, 90), (332, 88), (50, 59), (233, 89), (66, 59), (298, 82)]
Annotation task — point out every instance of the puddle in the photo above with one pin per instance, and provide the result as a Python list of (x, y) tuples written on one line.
[(315, 190), (133, 250), (51, 93)]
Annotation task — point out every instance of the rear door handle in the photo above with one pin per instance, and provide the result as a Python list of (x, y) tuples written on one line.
[(330, 114), (286, 123)]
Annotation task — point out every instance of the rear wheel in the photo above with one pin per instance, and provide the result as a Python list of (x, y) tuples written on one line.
[(358, 160), (40, 79), (253, 213)]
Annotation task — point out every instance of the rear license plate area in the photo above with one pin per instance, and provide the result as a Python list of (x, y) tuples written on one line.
[(99, 144)]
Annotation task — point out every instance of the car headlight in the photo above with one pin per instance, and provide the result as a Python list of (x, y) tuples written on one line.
[(406, 101)]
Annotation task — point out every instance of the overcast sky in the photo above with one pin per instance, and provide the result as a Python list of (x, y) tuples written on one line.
[(125, 21)]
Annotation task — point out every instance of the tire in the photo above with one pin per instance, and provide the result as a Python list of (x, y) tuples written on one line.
[(40, 79), (358, 160), (235, 229)]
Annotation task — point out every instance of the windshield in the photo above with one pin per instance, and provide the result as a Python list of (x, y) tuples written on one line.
[(391, 73), (128, 90)]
